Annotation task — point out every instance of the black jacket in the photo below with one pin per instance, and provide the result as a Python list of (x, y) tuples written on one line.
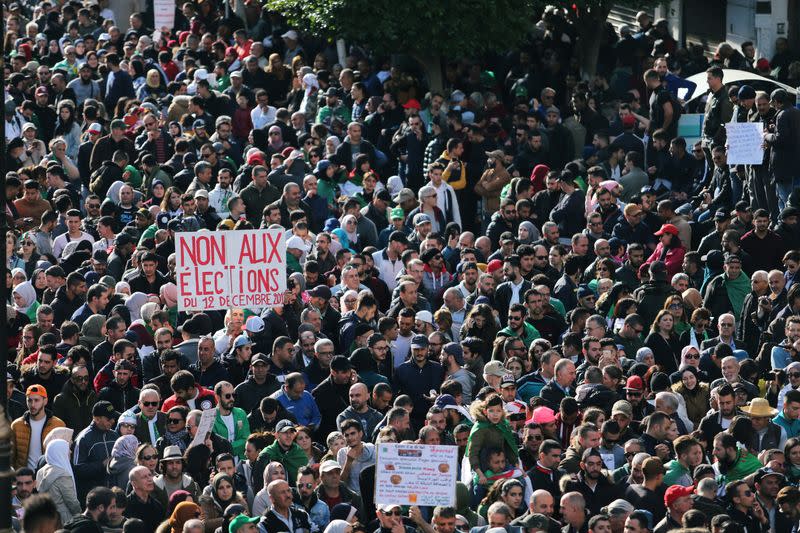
[(122, 398), (502, 297), (249, 393), (331, 399), (74, 408), (272, 524), (785, 144)]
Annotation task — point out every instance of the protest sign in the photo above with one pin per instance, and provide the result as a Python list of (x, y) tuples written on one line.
[(204, 426), (225, 269), (416, 474), (744, 143), (164, 15)]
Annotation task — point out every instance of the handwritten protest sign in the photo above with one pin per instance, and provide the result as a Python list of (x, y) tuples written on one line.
[(744, 143), (224, 269), (416, 474), (204, 426), (164, 14)]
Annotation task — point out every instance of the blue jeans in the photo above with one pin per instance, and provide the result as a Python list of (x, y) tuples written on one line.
[(785, 188)]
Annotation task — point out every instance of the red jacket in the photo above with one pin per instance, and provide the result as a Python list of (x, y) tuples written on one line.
[(673, 259), (205, 400)]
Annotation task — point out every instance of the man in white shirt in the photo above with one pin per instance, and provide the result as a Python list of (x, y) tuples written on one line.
[(218, 196), (38, 423), (388, 261), (73, 234), (263, 113), (445, 194)]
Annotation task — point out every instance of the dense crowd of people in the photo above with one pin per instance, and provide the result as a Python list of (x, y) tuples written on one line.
[(530, 265)]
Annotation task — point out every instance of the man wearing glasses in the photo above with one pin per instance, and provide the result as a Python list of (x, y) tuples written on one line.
[(634, 393), (151, 423), (231, 422)]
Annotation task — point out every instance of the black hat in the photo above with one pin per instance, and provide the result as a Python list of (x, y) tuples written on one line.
[(259, 358), (721, 214), (320, 291), (789, 211), (341, 363), (332, 92), (124, 364), (732, 258), (384, 195), (122, 239), (362, 329), (104, 408), (101, 256)]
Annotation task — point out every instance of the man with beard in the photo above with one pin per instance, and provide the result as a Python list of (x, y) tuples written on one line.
[(259, 384), (744, 509), (231, 422), (219, 196), (650, 493), (486, 288), (100, 502), (359, 410), (172, 477), (74, 403), (318, 511), (732, 462), (417, 376), (718, 421), (689, 454)]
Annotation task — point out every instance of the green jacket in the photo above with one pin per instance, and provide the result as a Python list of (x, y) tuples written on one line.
[(746, 463), (530, 333), (241, 433), (292, 459), (329, 113), (677, 474)]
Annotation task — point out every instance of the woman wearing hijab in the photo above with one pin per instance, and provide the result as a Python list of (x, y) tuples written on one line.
[(152, 86), (25, 300), (309, 106), (696, 394), (134, 304), (275, 144), (177, 497), (339, 526), (261, 502), (93, 331), (182, 513), (224, 493), (527, 232), (123, 459), (57, 480), (348, 233)]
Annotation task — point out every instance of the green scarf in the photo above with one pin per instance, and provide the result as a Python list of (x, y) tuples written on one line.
[(737, 289), (503, 427)]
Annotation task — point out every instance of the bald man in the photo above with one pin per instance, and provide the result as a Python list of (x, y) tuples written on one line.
[(360, 410), (541, 502)]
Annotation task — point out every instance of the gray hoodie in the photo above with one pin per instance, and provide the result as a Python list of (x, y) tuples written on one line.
[(467, 381), (58, 483)]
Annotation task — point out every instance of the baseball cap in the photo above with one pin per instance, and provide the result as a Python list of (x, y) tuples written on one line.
[(419, 341), (761, 473), (634, 383), (412, 103), (675, 491), (397, 213), (329, 466), (41, 91), (240, 521), (424, 316), (36, 390), (493, 266), (283, 425), (494, 368), (444, 400), (667, 228), (254, 324), (721, 214), (320, 291), (291, 34), (201, 193), (421, 218), (242, 340), (622, 407), (534, 521), (404, 195), (104, 408), (386, 507), (508, 380), (259, 358)]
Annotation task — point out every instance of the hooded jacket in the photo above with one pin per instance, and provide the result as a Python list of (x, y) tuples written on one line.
[(58, 484)]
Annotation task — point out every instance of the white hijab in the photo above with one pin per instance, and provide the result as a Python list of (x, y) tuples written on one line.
[(57, 454), (28, 294)]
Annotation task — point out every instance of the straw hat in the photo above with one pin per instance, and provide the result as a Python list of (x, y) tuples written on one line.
[(759, 407)]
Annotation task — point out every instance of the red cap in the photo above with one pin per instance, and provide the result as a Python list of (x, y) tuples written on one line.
[(36, 390), (256, 158), (676, 491), (628, 121), (494, 264), (287, 151), (412, 103), (762, 64), (667, 228), (41, 91), (634, 383), (231, 51)]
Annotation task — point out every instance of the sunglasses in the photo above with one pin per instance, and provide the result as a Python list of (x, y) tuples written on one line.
[(150, 404), (80, 379), (793, 374), (693, 356), (149, 457), (175, 420), (396, 512), (127, 425), (305, 485), (634, 394)]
